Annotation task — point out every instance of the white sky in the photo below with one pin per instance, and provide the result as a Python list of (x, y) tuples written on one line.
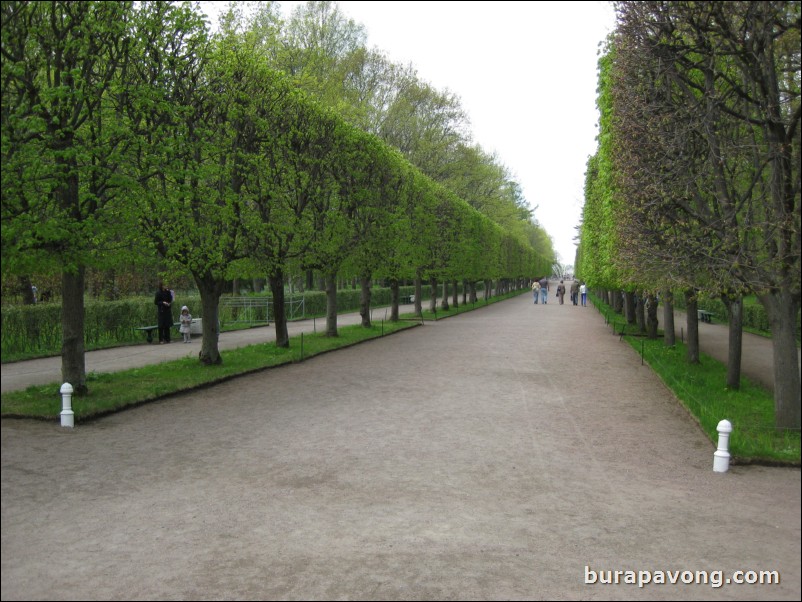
[(525, 73)]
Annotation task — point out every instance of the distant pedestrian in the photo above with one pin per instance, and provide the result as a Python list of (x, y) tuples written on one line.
[(186, 324), (561, 292), (163, 302), (583, 292), (544, 290), (575, 292), (536, 290)]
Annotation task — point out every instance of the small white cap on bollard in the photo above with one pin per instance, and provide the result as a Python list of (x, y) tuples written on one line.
[(67, 415), (721, 458)]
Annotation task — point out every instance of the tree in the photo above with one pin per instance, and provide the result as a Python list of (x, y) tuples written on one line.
[(190, 110), (371, 178), (728, 74), (62, 144), (288, 183), (321, 48)]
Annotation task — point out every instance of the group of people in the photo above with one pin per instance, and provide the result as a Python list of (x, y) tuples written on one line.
[(164, 302), (540, 291)]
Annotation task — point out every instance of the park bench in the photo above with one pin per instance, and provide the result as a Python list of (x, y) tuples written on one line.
[(704, 316), (405, 299), (148, 330), (195, 328)]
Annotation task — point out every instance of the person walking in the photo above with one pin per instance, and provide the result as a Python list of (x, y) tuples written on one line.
[(583, 293), (561, 292), (544, 290), (575, 292), (536, 290), (163, 302)]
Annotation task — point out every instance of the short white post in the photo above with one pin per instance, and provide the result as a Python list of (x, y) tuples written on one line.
[(67, 415), (721, 459)]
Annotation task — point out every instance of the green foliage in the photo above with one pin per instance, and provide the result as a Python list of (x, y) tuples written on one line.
[(147, 136), (35, 330)]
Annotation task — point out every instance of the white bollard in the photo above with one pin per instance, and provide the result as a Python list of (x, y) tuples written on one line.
[(721, 459), (67, 415)]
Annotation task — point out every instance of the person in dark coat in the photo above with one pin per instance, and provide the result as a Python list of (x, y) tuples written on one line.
[(561, 292), (163, 302)]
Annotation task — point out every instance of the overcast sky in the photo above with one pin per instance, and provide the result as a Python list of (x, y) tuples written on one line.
[(525, 73)]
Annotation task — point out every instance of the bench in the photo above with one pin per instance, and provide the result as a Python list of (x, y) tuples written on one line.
[(148, 330), (195, 328), (407, 299), (704, 316)]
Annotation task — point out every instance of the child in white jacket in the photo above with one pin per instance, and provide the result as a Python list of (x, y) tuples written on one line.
[(186, 324)]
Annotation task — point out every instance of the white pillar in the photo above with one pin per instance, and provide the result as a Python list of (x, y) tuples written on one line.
[(67, 415), (721, 459)]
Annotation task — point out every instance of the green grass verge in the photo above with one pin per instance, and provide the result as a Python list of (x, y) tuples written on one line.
[(112, 392), (701, 388)]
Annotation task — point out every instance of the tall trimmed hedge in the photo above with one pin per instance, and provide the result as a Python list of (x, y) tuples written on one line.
[(35, 330)]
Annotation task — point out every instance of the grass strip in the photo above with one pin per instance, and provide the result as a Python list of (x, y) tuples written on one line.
[(112, 392), (701, 388)]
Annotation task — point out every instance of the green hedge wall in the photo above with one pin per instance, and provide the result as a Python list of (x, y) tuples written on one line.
[(35, 330), (755, 316)]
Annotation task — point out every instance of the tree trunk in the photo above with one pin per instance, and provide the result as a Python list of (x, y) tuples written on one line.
[(433, 300), (640, 312), (364, 301), (465, 286), (73, 363), (276, 281), (455, 299), (472, 286), (418, 294), (782, 307), (692, 319), (735, 309), (331, 305), (629, 307), (210, 290), (669, 337), (618, 302), (394, 300), (444, 304), (651, 316)]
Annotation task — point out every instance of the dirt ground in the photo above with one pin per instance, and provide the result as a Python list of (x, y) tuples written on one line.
[(515, 452)]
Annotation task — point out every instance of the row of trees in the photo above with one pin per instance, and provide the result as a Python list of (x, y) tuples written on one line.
[(696, 182), (129, 131)]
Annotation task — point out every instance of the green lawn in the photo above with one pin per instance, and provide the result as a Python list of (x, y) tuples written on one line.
[(701, 389), (111, 392)]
